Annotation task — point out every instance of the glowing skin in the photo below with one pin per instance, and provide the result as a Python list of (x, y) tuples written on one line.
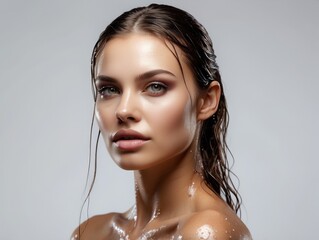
[(206, 232), (119, 231), (149, 115), (142, 88), (75, 237), (191, 190)]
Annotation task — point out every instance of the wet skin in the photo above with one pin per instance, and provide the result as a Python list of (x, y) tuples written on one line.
[(149, 112)]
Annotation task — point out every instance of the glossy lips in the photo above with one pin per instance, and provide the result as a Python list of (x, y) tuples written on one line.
[(129, 140)]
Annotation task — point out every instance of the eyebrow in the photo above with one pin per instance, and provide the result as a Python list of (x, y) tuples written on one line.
[(142, 76)]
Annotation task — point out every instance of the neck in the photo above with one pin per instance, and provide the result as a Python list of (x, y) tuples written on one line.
[(165, 190)]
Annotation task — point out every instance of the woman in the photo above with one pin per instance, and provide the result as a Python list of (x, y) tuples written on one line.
[(161, 110)]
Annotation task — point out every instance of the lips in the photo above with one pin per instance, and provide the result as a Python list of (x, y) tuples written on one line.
[(129, 140)]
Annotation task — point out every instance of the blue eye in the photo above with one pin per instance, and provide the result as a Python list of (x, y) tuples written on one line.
[(156, 88), (108, 91)]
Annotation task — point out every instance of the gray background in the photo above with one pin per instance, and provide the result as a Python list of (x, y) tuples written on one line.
[(268, 54)]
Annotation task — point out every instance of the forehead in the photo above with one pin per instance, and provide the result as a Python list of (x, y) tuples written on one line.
[(139, 52)]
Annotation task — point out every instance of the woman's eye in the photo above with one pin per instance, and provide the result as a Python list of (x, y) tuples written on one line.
[(108, 91), (156, 88)]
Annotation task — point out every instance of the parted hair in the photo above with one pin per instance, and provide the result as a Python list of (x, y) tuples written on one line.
[(181, 29)]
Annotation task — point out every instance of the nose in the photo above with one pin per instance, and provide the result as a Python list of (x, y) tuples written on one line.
[(128, 108)]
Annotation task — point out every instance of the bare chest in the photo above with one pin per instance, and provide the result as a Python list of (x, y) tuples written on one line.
[(166, 230)]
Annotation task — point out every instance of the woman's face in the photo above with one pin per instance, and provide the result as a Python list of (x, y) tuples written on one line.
[(146, 111)]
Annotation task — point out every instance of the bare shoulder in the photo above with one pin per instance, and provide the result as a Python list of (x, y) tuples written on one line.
[(214, 225), (96, 227)]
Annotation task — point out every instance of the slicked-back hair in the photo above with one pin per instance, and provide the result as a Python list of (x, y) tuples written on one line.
[(182, 30)]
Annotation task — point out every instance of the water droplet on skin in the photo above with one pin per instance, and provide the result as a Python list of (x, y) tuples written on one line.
[(206, 232), (120, 232), (132, 213), (151, 233), (246, 237), (156, 214), (191, 190), (75, 237)]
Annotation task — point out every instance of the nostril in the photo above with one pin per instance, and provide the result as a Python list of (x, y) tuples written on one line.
[(124, 117), (119, 120), (127, 111)]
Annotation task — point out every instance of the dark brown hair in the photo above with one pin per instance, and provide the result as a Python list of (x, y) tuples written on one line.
[(182, 30)]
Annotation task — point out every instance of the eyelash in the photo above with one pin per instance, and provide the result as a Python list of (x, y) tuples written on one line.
[(102, 91), (163, 88), (112, 90)]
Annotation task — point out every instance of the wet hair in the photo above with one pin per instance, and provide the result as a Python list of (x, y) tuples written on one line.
[(181, 29)]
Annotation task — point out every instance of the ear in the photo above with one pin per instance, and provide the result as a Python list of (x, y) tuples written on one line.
[(208, 101)]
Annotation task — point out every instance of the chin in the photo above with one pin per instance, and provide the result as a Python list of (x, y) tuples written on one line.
[(136, 162), (131, 162), (132, 166)]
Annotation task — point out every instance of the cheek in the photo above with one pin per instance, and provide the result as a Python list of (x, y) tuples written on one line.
[(173, 121), (104, 118)]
